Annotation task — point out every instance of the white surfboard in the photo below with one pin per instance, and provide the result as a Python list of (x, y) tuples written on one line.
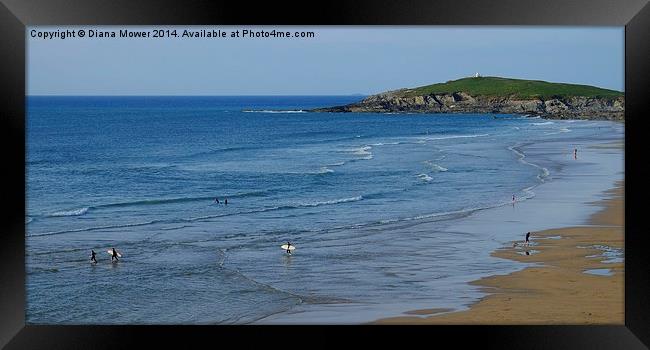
[(284, 247), (111, 253)]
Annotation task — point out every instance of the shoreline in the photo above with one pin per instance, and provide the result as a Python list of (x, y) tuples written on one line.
[(570, 200), (555, 289)]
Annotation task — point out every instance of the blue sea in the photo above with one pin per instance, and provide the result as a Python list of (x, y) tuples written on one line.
[(388, 212)]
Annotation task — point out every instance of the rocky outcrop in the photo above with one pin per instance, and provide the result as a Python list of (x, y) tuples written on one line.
[(400, 101)]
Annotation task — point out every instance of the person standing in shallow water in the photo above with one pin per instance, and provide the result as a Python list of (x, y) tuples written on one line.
[(216, 200), (575, 153), (225, 202), (92, 256), (527, 239), (114, 256)]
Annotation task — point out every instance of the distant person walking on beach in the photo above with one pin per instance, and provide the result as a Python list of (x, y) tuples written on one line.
[(114, 256), (92, 256), (527, 239)]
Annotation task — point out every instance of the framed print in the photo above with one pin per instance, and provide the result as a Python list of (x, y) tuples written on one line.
[(189, 172)]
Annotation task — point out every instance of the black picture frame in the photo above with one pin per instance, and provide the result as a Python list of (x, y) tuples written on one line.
[(15, 15)]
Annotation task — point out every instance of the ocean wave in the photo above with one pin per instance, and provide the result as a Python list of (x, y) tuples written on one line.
[(362, 151), (544, 172), (385, 143), (157, 201), (73, 212), (434, 166), (440, 215), (206, 217), (330, 202), (218, 151), (325, 170), (94, 228), (560, 131), (425, 177), (336, 164), (452, 137), (282, 207), (28, 220), (273, 111), (543, 123)]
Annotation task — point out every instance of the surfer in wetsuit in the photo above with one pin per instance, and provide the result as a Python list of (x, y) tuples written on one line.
[(527, 237), (288, 247), (575, 153), (92, 256), (225, 201), (114, 256), (216, 200)]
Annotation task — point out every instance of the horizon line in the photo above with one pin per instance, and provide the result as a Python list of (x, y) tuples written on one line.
[(180, 95)]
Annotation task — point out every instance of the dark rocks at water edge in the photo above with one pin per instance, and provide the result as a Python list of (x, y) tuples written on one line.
[(500, 98)]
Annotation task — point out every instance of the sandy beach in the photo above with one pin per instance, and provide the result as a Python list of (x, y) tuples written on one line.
[(556, 290)]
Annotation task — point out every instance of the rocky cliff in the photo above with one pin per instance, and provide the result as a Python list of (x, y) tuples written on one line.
[(552, 107)]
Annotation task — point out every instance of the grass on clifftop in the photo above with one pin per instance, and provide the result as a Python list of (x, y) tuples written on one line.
[(503, 87)]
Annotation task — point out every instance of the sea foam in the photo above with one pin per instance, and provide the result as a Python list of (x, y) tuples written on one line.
[(544, 123), (273, 111), (74, 212)]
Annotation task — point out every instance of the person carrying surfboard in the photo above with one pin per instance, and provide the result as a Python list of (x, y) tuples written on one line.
[(114, 255), (92, 256), (288, 247)]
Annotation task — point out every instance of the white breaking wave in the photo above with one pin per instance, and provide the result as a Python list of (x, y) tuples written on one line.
[(561, 130), (363, 151), (272, 111), (200, 218), (334, 201), (545, 173), (544, 123), (434, 166), (74, 212), (385, 143), (325, 170), (425, 177), (28, 220)]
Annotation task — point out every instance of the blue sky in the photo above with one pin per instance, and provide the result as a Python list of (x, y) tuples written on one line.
[(338, 61)]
